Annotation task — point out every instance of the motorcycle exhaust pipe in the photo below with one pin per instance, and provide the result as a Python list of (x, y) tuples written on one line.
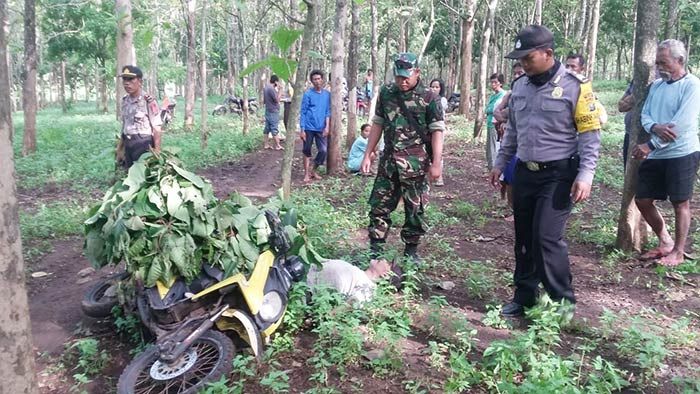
[(187, 342)]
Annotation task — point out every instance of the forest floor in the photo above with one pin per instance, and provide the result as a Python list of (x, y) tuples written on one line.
[(636, 324)]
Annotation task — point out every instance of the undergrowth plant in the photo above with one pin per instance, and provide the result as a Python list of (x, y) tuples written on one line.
[(528, 362), (89, 361)]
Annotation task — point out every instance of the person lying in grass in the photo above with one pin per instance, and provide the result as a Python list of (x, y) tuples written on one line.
[(357, 285)]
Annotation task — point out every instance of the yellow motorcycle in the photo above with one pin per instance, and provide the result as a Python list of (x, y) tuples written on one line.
[(194, 324)]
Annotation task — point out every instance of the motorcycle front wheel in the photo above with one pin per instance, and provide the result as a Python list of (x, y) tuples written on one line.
[(221, 110), (206, 361)]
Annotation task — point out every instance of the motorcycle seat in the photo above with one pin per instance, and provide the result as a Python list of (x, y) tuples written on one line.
[(208, 277), (175, 293)]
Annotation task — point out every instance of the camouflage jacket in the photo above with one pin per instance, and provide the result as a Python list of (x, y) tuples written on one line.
[(399, 136)]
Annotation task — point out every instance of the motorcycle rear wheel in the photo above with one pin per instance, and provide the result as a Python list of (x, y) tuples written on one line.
[(99, 300), (219, 111), (208, 359)]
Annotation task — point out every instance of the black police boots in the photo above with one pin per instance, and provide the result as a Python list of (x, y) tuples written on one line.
[(411, 253), (512, 309)]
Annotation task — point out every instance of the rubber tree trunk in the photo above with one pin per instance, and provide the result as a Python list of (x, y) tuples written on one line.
[(29, 83), (593, 40), (102, 80), (537, 19), (229, 59), (671, 19), (191, 65), (203, 78), (431, 27), (295, 107), (483, 68), (581, 27), (451, 79), (631, 230), (335, 158), (353, 65), (16, 352), (62, 86), (244, 64), (374, 56), (126, 54), (465, 80)]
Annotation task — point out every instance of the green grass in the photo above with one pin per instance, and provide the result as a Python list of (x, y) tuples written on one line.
[(53, 220), (77, 148)]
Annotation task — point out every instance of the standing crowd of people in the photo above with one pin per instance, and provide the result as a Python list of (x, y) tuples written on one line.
[(542, 146)]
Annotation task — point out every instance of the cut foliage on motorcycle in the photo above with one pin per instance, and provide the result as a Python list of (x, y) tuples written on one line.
[(164, 221)]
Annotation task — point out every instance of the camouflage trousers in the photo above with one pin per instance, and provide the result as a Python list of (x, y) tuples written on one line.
[(399, 178)]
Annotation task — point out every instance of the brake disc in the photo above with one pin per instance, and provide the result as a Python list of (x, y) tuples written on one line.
[(163, 371)]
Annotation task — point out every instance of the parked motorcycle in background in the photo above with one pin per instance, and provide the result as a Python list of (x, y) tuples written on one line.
[(453, 102), (234, 105)]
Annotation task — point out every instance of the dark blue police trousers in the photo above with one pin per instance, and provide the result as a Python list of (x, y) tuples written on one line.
[(541, 205)]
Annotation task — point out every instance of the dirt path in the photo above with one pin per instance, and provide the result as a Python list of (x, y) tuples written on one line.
[(488, 239), (55, 298)]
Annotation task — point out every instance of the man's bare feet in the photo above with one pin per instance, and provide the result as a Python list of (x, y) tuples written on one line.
[(665, 247), (672, 259), (279, 147), (656, 253), (307, 179), (315, 176)]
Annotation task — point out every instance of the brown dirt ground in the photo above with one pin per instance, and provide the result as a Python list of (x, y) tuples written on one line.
[(57, 318)]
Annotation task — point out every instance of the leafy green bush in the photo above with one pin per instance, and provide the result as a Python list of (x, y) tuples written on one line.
[(164, 221)]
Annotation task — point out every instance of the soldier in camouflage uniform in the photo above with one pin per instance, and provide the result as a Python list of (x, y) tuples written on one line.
[(141, 122), (406, 161)]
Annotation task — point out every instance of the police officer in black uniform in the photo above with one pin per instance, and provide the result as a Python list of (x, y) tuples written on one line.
[(553, 127)]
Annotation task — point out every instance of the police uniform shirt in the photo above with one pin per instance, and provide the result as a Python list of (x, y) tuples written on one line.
[(139, 116), (553, 122)]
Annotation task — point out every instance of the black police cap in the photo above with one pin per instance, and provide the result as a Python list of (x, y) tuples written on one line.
[(531, 38), (131, 72)]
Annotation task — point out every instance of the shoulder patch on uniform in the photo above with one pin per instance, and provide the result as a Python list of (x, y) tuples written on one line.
[(587, 115), (579, 77)]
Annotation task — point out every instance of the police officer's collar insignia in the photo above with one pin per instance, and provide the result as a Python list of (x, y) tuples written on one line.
[(518, 44), (556, 80), (557, 92)]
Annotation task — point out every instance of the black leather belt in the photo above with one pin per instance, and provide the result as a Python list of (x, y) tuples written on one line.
[(543, 165), (141, 136)]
